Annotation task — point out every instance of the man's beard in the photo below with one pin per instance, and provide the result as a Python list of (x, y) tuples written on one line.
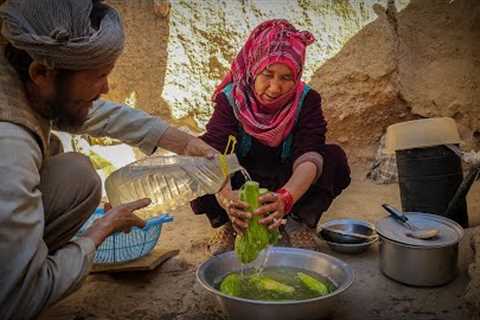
[(61, 108), (58, 111)]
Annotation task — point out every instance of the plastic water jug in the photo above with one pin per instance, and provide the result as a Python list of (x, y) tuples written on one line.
[(169, 181)]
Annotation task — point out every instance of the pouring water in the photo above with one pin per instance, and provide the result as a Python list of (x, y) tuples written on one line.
[(266, 254)]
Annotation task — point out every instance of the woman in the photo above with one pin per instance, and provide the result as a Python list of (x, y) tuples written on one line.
[(278, 122)]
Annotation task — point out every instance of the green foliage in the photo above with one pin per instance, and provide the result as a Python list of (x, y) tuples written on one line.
[(257, 236), (100, 163), (104, 141), (313, 284)]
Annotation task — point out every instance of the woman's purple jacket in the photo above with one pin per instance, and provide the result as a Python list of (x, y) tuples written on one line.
[(264, 164)]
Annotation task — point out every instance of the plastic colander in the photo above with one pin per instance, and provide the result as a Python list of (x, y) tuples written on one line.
[(123, 247)]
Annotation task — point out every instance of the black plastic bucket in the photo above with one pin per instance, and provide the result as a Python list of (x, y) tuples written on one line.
[(428, 179)]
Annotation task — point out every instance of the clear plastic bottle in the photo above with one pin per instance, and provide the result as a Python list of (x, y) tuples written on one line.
[(169, 181)]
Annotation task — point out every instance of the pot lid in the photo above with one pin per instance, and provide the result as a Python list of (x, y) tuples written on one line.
[(450, 232)]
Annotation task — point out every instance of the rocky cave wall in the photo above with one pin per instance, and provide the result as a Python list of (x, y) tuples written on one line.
[(420, 62), (377, 63), (140, 71), (175, 57), (416, 59)]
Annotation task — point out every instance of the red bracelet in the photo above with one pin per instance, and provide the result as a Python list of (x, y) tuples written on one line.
[(287, 199)]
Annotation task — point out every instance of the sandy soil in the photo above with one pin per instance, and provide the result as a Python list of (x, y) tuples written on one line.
[(171, 291)]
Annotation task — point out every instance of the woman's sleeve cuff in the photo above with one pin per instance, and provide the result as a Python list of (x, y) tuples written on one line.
[(311, 156)]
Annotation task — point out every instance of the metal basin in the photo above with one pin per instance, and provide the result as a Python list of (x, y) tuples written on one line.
[(213, 270)]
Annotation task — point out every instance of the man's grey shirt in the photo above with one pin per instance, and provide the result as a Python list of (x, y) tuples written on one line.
[(30, 278)]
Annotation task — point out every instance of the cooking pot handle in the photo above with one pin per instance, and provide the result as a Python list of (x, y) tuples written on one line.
[(397, 215)]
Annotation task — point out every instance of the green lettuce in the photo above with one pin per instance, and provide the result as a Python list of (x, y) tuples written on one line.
[(313, 284), (231, 285), (268, 284), (257, 236)]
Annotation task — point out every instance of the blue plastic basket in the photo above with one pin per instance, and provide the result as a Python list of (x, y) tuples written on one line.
[(123, 247)]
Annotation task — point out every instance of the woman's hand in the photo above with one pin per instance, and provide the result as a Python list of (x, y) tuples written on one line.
[(238, 214), (273, 208), (236, 209)]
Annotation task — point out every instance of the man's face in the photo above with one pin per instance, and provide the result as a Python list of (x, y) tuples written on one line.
[(74, 94)]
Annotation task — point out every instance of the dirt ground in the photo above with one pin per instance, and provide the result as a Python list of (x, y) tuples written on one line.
[(171, 291)]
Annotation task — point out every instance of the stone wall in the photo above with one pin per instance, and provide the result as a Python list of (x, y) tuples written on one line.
[(472, 294), (141, 68), (2, 40), (420, 62), (377, 66), (439, 61), (195, 43)]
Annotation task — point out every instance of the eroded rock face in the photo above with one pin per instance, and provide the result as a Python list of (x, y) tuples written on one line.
[(180, 52), (421, 62), (472, 294), (175, 56), (439, 61), (360, 87), (2, 39), (205, 36), (142, 66)]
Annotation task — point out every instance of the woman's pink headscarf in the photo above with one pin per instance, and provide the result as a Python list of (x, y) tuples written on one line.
[(273, 41)]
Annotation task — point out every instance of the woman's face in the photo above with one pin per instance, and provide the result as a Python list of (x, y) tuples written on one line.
[(273, 82)]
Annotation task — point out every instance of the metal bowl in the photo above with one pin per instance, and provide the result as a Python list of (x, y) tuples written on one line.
[(343, 242), (346, 226), (210, 273), (351, 248)]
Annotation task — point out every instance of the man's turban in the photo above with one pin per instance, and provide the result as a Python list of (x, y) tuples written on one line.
[(66, 34)]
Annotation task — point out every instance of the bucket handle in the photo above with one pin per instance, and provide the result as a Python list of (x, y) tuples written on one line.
[(462, 190)]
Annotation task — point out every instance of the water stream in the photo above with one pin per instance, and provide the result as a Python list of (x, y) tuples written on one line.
[(265, 255)]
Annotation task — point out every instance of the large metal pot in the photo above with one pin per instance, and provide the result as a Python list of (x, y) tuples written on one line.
[(418, 266), (420, 262), (213, 270)]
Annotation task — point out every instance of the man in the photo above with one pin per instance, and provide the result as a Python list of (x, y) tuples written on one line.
[(52, 73)]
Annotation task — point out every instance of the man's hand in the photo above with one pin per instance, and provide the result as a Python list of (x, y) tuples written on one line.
[(117, 219), (198, 147), (183, 143)]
